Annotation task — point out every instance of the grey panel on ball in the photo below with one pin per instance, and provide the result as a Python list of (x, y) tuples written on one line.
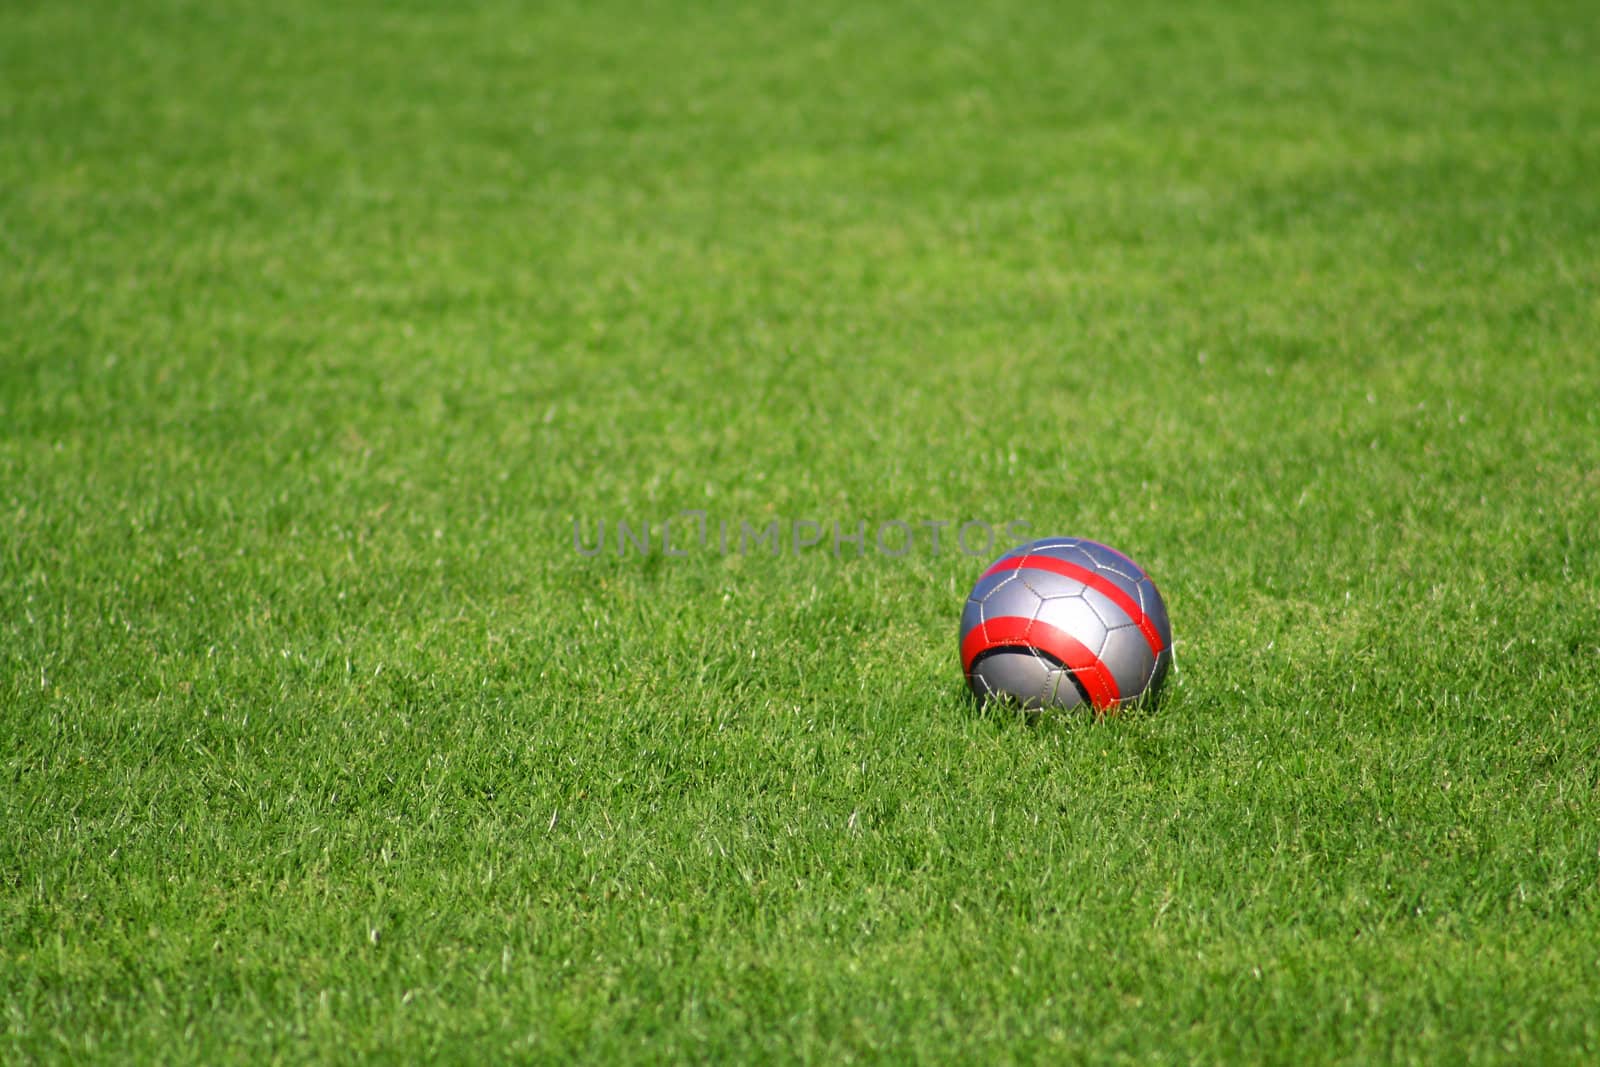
[(1024, 677), (1107, 609), (1061, 690), (1074, 616), (1012, 597), (1020, 675), (1130, 660), (1049, 583)]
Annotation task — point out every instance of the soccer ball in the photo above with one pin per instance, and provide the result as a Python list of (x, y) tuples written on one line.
[(1065, 622)]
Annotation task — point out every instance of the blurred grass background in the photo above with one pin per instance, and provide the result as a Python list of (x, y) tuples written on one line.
[(323, 325)]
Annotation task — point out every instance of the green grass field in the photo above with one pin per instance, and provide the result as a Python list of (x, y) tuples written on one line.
[(322, 327)]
